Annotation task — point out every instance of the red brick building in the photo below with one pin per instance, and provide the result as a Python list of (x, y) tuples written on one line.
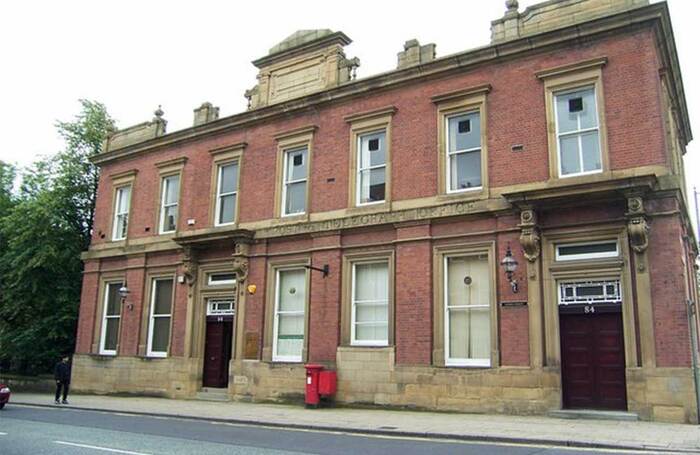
[(371, 225)]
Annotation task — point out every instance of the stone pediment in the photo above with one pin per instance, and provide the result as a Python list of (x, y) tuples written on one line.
[(305, 62)]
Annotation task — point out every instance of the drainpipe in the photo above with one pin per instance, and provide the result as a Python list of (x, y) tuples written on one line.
[(694, 353)]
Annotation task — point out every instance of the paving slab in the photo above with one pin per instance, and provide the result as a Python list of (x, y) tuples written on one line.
[(635, 435)]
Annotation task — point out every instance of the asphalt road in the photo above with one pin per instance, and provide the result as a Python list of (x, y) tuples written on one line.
[(62, 430)]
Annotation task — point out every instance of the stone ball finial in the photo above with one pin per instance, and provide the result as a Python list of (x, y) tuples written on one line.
[(512, 5), (159, 112)]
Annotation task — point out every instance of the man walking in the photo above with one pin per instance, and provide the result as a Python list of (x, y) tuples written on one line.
[(61, 374)]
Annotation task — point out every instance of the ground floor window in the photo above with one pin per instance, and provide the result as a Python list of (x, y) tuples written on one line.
[(161, 314), (370, 304), (290, 305), (111, 318), (467, 311)]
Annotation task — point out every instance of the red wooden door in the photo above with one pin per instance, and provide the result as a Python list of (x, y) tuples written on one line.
[(217, 352), (593, 361)]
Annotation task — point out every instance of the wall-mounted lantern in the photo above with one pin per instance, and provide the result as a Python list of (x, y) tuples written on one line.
[(510, 265), (124, 293)]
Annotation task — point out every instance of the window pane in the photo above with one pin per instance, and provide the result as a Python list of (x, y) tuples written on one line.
[(215, 278), (468, 281), (111, 334), (292, 290), (568, 147), (227, 209), (229, 178), (372, 149), (372, 185), (465, 170), (161, 334), (372, 332), (587, 117), (172, 188), (122, 225), (470, 333), (290, 335), (591, 151), (296, 164), (123, 199), (470, 137), (113, 299), (296, 198), (163, 296), (170, 218), (372, 282), (365, 312)]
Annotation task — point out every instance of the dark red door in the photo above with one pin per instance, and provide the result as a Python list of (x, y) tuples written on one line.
[(217, 352), (593, 361)]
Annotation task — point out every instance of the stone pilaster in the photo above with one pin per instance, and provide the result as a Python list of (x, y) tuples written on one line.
[(530, 242)]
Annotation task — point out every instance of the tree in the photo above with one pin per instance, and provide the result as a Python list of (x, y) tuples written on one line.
[(45, 230)]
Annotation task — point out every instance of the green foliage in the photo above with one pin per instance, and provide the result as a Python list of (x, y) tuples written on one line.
[(45, 229)]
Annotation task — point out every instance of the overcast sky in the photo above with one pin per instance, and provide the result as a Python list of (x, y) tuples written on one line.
[(134, 55)]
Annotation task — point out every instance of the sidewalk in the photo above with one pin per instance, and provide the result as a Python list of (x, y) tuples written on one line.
[(495, 428)]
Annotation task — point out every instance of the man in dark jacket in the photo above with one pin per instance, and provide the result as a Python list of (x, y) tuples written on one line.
[(61, 373)]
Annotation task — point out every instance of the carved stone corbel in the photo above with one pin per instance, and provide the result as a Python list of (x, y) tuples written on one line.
[(189, 264), (240, 261), (529, 234), (637, 228)]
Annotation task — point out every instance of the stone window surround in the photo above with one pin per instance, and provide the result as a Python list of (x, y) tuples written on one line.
[(439, 255), (121, 180), (151, 276), (221, 157), (168, 169), (449, 104), (361, 124), (365, 256), (273, 266), (602, 268), (292, 139), (573, 76), (105, 279)]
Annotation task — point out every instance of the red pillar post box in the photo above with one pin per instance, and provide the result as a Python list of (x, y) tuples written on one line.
[(312, 397)]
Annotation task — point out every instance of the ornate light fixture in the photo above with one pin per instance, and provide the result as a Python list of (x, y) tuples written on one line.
[(510, 265), (124, 293)]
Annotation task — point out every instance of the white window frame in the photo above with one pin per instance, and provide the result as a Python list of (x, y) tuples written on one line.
[(353, 340), (164, 205), (220, 195), (212, 282), (369, 168), (117, 214), (457, 362), (595, 282), (275, 356), (152, 317), (449, 155), (286, 183), (103, 334), (578, 133), (584, 256), (213, 312)]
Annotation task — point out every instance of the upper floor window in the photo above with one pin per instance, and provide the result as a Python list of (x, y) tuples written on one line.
[(227, 193), (121, 212), (464, 151), (294, 181), (578, 135), (169, 202), (371, 168)]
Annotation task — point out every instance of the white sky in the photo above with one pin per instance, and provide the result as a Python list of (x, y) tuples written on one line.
[(134, 55)]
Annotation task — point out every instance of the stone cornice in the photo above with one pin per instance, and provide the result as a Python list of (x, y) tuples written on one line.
[(572, 67), (476, 90), (389, 110), (334, 38), (229, 148), (655, 14)]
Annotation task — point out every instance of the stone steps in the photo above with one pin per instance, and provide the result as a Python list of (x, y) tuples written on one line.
[(593, 414), (213, 394)]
